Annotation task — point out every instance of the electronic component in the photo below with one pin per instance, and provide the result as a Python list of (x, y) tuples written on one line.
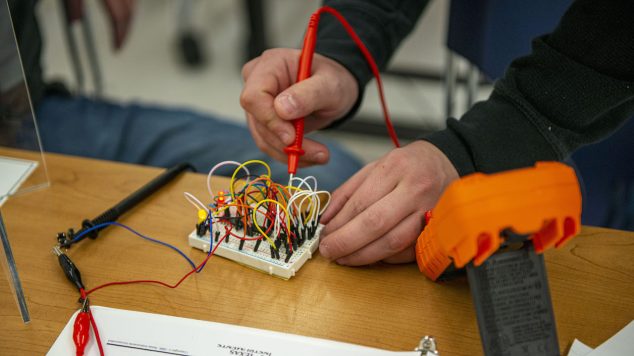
[(259, 223), (70, 270), (251, 253)]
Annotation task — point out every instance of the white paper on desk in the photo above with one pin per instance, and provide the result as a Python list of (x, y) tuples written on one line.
[(134, 333), (621, 344), (578, 348), (13, 172)]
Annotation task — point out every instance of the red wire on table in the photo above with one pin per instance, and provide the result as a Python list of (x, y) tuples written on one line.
[(161, 282), (96, 331)]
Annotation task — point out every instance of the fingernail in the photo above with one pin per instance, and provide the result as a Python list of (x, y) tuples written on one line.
[(286, 137), (288, 104), (323, 250), (319, 157), (341, 261)]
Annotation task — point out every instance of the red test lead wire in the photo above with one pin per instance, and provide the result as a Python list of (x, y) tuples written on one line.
[(294, 150)]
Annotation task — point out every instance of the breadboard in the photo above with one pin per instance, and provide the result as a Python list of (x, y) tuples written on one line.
[(261, 259)]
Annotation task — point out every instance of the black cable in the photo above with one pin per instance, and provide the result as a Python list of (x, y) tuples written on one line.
[(112, 214)]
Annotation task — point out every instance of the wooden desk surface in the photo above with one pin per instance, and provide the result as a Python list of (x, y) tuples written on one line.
[(384, 306)]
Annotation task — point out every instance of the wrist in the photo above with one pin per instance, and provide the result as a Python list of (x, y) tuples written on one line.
[(445, 171), (453, 149)]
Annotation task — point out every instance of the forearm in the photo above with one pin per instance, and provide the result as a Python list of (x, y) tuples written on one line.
[(576, 87)]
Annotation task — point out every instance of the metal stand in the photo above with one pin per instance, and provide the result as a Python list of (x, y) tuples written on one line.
[(473, 77), (89, 43), (12, 273), (450, 84)]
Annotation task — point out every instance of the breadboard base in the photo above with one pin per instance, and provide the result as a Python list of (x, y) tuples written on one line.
[(261, 259)]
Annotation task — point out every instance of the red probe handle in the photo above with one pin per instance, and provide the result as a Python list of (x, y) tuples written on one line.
[(81, 332), (294, 150)]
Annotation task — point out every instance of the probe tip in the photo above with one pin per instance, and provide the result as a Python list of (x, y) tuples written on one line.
[(57, 251)]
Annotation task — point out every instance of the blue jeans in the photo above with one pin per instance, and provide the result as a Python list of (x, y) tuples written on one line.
[(162, 137)]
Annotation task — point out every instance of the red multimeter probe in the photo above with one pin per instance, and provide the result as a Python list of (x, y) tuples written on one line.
[(294, 151)]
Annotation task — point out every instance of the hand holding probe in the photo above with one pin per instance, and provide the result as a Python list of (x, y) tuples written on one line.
[(294, 150)]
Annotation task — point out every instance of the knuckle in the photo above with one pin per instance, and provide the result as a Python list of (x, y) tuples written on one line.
[(396, 242), (271, 123), (420, 187), (374, 220), (271, 53), (339, 195), (337, 246), (356, 206), (246, 99), (246, 69), (399, 159)]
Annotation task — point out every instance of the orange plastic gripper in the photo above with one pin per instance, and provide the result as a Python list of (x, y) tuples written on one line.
[(543, 201)]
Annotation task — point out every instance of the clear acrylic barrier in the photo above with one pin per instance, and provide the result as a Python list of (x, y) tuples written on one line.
[(22, 165)]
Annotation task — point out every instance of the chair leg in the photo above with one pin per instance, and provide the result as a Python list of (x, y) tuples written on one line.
[(73, 51), (450, 84), (472, 85), (91, 51), (257, 40), (12, 273)]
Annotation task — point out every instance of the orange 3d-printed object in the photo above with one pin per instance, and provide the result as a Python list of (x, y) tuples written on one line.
[(470, 219)]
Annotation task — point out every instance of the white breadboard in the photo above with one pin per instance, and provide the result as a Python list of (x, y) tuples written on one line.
[(260, 260)]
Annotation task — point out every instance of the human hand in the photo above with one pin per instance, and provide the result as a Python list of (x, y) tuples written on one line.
[(378, 213), (120, 13), (271, 99)]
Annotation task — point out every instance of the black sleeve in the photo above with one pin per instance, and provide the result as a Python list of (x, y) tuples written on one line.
[(575, 88), (381, 25)]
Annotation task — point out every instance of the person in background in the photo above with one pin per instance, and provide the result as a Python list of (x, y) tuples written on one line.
[(136, 133), (575, 88)]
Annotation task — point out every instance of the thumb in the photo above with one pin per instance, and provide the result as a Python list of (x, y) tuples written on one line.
[(302, 99)]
